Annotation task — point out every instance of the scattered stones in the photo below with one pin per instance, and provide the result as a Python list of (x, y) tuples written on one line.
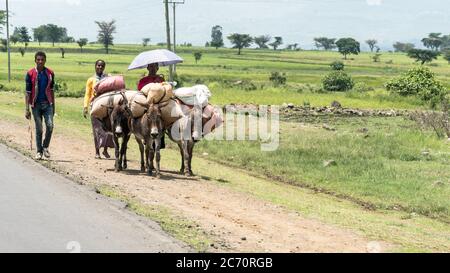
[(329, 163), (244, 238), (289, 110), (328, 127), (336, 104), (363, 130)]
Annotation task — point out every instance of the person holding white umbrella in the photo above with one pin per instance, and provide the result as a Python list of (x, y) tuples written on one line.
[(152, 76)]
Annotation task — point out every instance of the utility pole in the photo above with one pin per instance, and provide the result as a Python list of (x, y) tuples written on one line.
[(166, 7), (174, 6), (7, 42)]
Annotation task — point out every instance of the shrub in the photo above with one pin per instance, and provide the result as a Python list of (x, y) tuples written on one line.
[(338, 81), (245, 85), (362, 87), (277, 78), (337, 65), (421, 82), (60, 86)]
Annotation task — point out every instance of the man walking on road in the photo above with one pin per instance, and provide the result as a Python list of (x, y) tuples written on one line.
[(39, 95)]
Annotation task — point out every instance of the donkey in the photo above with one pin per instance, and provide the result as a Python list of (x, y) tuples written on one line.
[(117, 124), (185, 132), (148, 131)]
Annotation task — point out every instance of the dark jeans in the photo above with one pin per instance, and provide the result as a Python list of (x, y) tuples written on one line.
[(43, 110)]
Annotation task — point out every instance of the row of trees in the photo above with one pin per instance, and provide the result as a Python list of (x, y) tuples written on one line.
[(56, 34), (261, 41)]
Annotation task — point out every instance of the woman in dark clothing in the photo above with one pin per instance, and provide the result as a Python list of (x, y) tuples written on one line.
[(101, 138)]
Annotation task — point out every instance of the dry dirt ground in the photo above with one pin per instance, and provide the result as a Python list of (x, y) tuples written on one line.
[(240, 221)]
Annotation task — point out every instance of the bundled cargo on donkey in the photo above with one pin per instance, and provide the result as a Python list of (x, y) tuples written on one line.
[(109, 84)]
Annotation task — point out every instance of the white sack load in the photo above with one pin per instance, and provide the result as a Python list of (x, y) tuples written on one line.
[(171, 111), (99, 107), (195, 95), (158, 92), (137, 102)]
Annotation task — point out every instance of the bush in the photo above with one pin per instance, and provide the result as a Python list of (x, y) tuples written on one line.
[(362, 87), (338, 81), (278, 79), (420, 82), (245, 85), (337, 65), (60, 86)]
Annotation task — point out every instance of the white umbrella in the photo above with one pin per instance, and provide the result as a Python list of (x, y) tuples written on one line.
[(161, 56)]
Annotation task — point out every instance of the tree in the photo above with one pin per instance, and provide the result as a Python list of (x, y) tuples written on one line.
[(54, 34), (63, 51), (145, 41), (2, 20), (292, 47), (348, 46), (216, 37), (372, 43), (39, 34), (68, 40), (433, 41), (240, 41), (105, 34), (3, 43), (325, 43), (14, 39), (376, 57), (422, 55), (22, 51), (82, 42), (403, 47), (447, 55), (278, 42), (261, 41), (22, 34), (197, 56), (445, 42)]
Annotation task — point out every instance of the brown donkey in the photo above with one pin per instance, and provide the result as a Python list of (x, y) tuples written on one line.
[(148, 131)]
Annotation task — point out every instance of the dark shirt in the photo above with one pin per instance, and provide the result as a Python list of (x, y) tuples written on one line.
[(42, 87)]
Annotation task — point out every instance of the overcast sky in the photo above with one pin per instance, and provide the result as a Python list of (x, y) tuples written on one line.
[(297, 21)]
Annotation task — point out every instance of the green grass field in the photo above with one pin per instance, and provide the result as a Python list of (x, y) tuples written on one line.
[(221, 68)]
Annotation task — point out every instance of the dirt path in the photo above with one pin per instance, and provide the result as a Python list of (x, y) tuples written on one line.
[(242, 222)]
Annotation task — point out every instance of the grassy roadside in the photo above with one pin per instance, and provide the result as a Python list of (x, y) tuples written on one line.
[(409, 231)]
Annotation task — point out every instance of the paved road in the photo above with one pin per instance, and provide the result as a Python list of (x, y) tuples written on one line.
[(41, 211)]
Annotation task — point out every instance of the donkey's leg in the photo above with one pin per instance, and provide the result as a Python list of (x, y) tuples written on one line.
[(147, 155), (121, 156), (191, 144), (141, 150), (116, 153), (152, 154), (182, 158), (186, 157), (124, 149), (158, 157)]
